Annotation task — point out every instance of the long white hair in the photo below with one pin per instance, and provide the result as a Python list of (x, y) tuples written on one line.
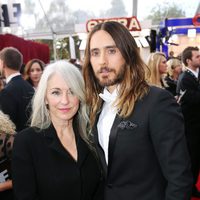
[(40, 116)]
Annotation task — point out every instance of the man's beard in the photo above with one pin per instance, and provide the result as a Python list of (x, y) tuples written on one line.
[(106, 82)]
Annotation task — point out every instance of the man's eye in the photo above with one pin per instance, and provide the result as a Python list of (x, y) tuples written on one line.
[(94, 53), (112, 51)]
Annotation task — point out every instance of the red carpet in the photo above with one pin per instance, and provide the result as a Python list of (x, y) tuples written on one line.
[(198, 186)]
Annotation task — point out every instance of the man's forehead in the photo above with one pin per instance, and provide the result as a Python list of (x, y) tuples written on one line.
[(101, 39)]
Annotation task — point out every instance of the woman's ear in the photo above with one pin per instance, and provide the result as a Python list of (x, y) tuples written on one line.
[(46, 103), (47, 106)]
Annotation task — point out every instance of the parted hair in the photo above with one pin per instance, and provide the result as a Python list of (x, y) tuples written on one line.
[(73, 77), (12, 58), (133, 85)]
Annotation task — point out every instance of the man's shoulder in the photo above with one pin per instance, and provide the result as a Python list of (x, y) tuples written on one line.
[(156, 94), (185, 75), (17, 84), (154, 91)]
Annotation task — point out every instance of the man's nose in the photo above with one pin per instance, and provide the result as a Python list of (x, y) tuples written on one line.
[(103, 58)]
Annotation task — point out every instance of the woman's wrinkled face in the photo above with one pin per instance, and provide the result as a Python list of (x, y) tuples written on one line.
[(62, 103)]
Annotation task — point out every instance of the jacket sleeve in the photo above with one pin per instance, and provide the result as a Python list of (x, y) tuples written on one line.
[(24, 181), (167, 134)]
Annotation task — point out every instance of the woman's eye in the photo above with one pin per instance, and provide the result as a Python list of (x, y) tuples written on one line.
[(70, 92), (55, 92)]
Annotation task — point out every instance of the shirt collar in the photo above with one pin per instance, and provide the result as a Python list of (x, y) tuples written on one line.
[(12, 76), (196, 73), (109, 97)]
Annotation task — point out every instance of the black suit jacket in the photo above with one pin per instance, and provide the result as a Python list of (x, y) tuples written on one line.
[(147, 154), (43, 170), (190, 102), (15, 99)]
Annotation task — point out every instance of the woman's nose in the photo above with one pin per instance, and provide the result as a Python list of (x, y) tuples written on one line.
[(65, 98)]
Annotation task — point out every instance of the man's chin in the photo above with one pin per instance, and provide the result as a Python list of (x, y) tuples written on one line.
[(106, 83)]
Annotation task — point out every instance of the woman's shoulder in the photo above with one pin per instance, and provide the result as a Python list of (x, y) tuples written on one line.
[(28, 133)]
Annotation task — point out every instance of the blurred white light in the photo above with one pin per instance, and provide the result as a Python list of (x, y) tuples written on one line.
[(6, 30), (27, 21), (173, 39), (191, 33)]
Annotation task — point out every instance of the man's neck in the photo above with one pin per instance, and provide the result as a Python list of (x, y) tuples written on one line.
[(12, 76), (193, 68), (111, 88), (9, 72)]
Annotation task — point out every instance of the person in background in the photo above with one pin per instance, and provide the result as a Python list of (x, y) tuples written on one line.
[(74, 62), (174, 69), (157, 63), (171, 55), (17, 94), (7, 130), (54, 153), (188, 87), (33, 71), (138, 129), (2, 83)]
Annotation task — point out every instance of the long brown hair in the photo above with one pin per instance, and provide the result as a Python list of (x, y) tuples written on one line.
[(28, 66), (133, 85)]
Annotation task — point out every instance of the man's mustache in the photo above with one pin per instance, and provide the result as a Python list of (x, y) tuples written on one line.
[(105, 69)]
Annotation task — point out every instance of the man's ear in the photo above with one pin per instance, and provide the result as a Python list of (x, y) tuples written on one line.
[(188, 61)]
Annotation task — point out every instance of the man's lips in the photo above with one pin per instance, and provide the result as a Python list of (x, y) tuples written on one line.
[(105, 70)]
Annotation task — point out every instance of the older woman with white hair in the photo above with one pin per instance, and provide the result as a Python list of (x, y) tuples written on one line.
[(52, 159)]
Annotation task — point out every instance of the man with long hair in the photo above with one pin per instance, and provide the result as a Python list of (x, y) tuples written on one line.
[(138, 129)]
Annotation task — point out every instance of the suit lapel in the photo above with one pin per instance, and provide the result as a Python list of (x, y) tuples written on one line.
[(112, 140), (83, 150), (53, 142), (99, 149)]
